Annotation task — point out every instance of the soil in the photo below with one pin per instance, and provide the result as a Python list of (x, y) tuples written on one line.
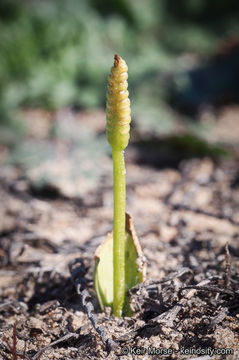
[(187, 219)]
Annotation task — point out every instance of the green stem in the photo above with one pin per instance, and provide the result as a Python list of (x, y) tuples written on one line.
[(119, 231)]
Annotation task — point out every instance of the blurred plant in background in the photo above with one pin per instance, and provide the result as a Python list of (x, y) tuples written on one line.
[(56, 54)]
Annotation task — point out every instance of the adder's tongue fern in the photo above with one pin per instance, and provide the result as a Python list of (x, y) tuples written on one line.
[(117, 130), (119, 262)]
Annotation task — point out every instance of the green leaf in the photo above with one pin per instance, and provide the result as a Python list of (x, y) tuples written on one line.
[(103, 272)]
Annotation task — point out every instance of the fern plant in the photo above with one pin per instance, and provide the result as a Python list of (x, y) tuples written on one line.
[(117, 267)]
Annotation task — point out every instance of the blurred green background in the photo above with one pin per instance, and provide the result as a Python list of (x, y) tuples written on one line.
[(56, 54)]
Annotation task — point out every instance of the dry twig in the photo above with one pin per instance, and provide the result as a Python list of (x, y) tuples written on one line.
[(77, 273)]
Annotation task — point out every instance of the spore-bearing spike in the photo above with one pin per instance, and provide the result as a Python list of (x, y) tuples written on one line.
[(118, 105)]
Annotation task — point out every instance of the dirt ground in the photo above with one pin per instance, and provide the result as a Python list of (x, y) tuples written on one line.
[(187, 219)]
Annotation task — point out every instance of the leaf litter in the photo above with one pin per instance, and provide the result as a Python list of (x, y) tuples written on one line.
[(188, 221)]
